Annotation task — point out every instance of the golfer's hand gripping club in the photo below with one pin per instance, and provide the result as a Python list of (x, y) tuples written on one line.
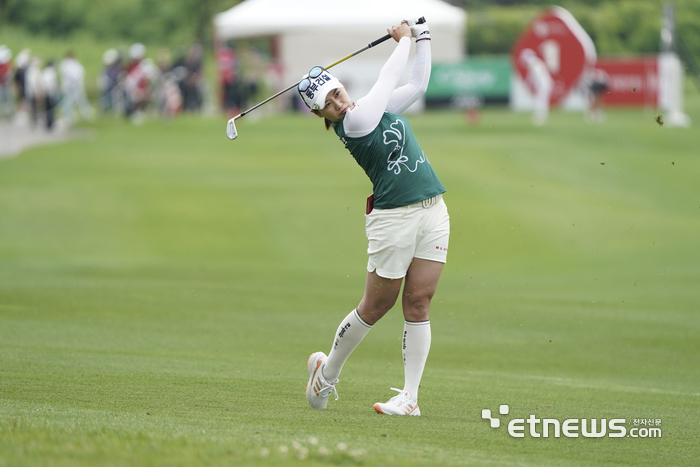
[(419, 29), (231, 131)]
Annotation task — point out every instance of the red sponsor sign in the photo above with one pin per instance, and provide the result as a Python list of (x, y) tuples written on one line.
[(631, 81), (560, 41)]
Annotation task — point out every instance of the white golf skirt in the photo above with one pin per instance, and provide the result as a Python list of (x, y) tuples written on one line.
[(396, 236)]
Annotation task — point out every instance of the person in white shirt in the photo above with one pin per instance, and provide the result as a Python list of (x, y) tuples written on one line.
[(138, 83), (541, 80), (73, 88), (34, 89)]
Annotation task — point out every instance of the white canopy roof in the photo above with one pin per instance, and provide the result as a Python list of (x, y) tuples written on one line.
[(252, 18)]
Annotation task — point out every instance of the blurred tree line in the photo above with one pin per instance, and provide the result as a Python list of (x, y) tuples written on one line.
[(616, 26), (147, 21)]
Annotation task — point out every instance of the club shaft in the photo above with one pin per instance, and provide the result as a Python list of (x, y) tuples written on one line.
[(421, 20), (372, 44), (267, 100), (368, 46)]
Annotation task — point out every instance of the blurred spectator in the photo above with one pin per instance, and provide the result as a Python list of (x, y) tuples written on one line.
[(540, 79), (137, 84), (154, 77), (256, 68), (171, 103), (597, 86), (34, 89), (21, 64), (108, 81), (192, 89), (179, 67), (167, 94), (6, 96), (471, 104), (49, 83), (73, 87), (227, 64)]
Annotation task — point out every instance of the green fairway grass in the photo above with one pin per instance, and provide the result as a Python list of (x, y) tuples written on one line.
[(162, 287)]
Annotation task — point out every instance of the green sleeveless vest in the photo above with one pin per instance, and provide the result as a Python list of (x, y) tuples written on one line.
[(394, 162)]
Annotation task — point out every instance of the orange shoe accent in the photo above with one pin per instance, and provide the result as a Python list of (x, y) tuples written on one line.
[(318, 388), (318, 365), (377, 408)]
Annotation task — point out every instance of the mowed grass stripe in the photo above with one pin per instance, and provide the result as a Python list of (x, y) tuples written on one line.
[(161, 289)]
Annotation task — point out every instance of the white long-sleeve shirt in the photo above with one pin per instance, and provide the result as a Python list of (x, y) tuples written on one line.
[(384, 95)]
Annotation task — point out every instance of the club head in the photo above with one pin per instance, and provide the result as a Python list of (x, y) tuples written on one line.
[(231, 129)]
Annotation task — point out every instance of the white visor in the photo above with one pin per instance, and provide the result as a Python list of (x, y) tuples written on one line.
[(316, 89)]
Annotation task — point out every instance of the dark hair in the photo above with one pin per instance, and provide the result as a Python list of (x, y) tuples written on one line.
[(328, 123)]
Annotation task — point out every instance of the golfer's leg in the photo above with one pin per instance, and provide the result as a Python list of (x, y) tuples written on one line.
[(421, 282), (380, 295), (350, 332)]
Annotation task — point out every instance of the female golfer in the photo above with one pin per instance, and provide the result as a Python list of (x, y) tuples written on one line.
[(407, 224)]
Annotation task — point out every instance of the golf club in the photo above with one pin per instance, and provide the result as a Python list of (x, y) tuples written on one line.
[(231, 131)]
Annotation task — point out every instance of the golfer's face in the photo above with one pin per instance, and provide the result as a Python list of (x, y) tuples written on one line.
[(336, 104)]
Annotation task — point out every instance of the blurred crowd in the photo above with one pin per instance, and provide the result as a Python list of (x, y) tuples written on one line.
[(38, 91), (129, 83)]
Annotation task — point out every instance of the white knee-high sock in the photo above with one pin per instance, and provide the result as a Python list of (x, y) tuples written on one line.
[(416, 346), (349, 334)]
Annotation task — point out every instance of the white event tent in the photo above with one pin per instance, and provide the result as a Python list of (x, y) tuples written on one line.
[(306, 33)]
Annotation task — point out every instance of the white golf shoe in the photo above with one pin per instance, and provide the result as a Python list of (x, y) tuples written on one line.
[(402, 404), (319, 388)]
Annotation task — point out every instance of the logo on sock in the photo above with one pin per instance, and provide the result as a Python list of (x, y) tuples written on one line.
[(341, 334), (342, 331)]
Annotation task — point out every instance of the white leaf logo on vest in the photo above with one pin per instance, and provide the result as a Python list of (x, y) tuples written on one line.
[(396, 135)]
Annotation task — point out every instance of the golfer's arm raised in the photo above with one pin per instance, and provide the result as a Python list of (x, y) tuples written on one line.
[(403, 97), (369, 109)]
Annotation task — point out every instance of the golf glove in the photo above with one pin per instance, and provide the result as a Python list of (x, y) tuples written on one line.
[(418, 31)]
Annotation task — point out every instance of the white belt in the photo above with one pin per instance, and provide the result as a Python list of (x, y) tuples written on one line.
[(426, 203)]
